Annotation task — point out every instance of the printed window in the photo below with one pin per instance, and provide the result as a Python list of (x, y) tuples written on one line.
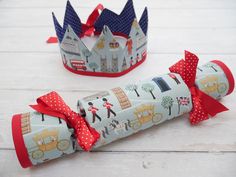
[(161, 83)]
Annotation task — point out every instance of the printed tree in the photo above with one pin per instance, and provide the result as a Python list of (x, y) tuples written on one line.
[(133, 87), (93, 66), (87, 54), (42, 117), (167, 103), (147, 87)]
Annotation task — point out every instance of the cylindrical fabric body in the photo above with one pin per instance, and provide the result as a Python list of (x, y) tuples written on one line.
[(116, 113), (39, 138), (215, 79)]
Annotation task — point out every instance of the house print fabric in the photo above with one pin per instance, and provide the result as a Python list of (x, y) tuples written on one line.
[(121, 111), (109, 56)]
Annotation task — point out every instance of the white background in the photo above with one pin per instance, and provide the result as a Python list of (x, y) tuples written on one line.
[(29, 68)]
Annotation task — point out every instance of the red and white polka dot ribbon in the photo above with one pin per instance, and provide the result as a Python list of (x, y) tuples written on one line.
[(52, 104), (203, 105)]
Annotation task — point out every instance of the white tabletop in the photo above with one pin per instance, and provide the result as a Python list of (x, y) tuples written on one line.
[(30, 67)]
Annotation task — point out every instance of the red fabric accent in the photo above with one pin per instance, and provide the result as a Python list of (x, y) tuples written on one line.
[(88, 28), (52, 104), (102, 74), (52, 40), (172, 75), (21, 151), (107, 105), (93, 109), (203, 104), (228, 74)]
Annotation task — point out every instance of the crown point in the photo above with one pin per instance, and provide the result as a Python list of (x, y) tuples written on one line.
[(68, 3), (117, 23), (58, 28), (71, 18), (143, 22), (128, 11)]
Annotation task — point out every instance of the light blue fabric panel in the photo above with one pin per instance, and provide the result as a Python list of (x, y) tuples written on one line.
[(136, 106)]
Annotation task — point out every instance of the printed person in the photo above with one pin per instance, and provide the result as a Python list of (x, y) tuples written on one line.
[(108, 106), (137, 58), (93, 110), (129, 45), (131, 61)]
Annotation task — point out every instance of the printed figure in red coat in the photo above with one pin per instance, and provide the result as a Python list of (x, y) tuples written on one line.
[(131, 61), (108, 106), (93, 110), (129, 45), (137, 58), (173, 76)]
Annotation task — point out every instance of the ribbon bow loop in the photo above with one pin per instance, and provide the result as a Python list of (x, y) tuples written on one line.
[(52, 104), (203, 104), (186, 68)]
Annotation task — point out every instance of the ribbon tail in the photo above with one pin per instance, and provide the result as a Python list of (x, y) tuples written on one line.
[(87, 146), (83, 129), (88, 28), (94, 15), (211, 105), (204, 106), (197, 114), (52, 40), (95, 134), (89, 31)]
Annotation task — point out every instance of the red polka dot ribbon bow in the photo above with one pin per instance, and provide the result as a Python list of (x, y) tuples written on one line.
[(52, 104), (204, 106)]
